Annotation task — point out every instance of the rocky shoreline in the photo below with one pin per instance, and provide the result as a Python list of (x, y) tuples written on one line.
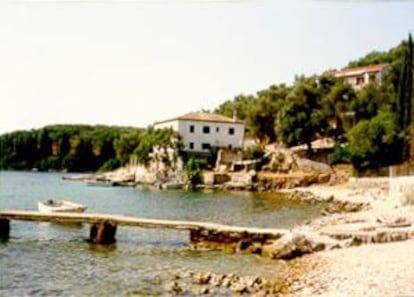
[(194, 283), (356, 214), (357, 219), (377, 237)]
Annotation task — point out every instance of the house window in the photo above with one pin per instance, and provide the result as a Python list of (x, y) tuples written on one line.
[(206, 129), (191, 145), (231, 131), (191, 128), (217, 129), (205, 146), (359, 81)]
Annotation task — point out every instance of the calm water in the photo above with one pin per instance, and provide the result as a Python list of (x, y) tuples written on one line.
[(43, 259)]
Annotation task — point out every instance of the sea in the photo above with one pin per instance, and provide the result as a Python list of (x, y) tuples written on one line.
[(47, 259)]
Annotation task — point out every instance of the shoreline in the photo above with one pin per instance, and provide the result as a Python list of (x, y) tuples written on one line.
[(371, 264), (381, 229), (372, 268)]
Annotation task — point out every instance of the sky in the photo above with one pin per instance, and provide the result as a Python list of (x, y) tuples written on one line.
[(131, 63)]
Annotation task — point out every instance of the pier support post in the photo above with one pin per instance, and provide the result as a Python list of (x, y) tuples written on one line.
[(230, 240), (102, 232), (4, 229), (210, 239)]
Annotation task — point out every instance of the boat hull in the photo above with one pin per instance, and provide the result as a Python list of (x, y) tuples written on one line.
[(60, 206)]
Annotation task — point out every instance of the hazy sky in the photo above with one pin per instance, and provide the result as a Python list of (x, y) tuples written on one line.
[(136, 62)]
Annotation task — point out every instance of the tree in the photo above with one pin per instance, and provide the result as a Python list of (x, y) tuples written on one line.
[(193, 171), (404, 104), (337, 100), (302, 117), (262, 116), (239, 106), (409, 86), (369, 101), (375, 142), (161, 138), (126, 143)]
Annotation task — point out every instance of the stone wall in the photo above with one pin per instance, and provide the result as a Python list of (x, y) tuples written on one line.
[(243, 178), (214, 178), (225, 157)]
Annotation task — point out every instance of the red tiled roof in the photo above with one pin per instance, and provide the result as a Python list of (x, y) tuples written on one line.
[(357, 70)]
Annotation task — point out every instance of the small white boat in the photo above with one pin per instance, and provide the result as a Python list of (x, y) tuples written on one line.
[(49, 206)]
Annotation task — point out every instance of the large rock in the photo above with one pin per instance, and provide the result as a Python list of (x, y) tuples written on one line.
[(283, 248), (285, 160), (144, 176), (307, 165), (309, 242), (296, 244)]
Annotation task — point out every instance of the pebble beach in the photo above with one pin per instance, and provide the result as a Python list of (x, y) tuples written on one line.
[(377, 269), (371, 270)]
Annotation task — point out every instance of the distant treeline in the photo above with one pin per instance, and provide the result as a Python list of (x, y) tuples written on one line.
[(77, 148), (64, 147)]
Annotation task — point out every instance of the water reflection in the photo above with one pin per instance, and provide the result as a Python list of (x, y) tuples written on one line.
[(105, 250), (66, 226)]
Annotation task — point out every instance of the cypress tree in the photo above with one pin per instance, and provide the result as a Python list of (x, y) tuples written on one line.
[(409, 95), (401, 102), (409, 84), (404, 101)]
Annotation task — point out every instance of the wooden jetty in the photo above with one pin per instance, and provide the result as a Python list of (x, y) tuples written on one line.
[(103, 228)]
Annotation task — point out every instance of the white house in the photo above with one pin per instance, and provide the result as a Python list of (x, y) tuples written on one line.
[(202, 130), (361, 76)]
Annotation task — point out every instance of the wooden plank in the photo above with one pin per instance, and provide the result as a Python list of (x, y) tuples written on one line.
[(121, 220)]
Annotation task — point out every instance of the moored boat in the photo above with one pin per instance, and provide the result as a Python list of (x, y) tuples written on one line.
[(100, 183), (49, 206)]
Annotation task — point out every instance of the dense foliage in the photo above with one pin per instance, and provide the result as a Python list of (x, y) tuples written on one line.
[(259, 112), (302, 116), (371, 126), (375, 142), (79, 148)]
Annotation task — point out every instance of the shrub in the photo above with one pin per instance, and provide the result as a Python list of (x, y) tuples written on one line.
[(341, 154), (252, 153), (280, 157), (193, 171)]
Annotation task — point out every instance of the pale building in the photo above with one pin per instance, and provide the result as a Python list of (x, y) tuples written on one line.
[(202, 131), (361, 76)]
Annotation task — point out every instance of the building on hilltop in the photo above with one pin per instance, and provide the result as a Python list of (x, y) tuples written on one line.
[(361, 76), (203, 131)]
